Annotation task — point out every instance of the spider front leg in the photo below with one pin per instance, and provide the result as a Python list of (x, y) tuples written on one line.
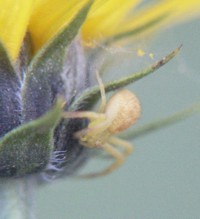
[(85, 114), (98, 118), (102, 92), (97, 121)]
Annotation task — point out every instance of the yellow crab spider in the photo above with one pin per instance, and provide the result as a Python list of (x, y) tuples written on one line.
[(120, 112)]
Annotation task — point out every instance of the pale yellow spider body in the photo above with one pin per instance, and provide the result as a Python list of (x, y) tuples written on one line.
[(120, 112)]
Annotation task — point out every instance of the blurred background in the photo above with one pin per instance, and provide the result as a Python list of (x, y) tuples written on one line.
[(161, 179)]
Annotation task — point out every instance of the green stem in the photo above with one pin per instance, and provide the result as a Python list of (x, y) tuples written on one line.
[(16, 198), (161, 123)]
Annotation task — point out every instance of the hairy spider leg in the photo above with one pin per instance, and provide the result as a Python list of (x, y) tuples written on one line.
[(98, 123), (108, 147), (92, 116), (119, 159), (128, 148), (95, 129), (82, 114), (102, 92)]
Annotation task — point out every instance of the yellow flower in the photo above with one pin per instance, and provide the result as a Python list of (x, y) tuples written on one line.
[(45, 18), (116, 16), (40, 97)]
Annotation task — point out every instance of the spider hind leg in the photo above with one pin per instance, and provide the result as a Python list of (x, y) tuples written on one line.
[(119, 160)]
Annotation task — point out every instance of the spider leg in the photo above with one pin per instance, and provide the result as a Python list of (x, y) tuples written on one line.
[(118, 162), (92, 116), (99, 154), (128, 148), (103, 94), (95, 129), (82, 114), (98, 124)]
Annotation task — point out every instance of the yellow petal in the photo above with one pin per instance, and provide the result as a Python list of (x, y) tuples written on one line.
[(176, 11), (110, 18), (49, 17), (14, 18), (106, 18)]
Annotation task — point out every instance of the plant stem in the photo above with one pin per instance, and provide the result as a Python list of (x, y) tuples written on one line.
[(161, 123), (16, 198)]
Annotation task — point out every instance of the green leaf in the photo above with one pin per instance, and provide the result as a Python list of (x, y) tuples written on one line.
[(94, 92), (43, 80), (27, 148)]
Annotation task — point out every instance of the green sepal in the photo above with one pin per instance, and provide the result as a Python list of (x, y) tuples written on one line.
[(9, 91), (27, 148), (43, 80), (93, 93), (5, 61)]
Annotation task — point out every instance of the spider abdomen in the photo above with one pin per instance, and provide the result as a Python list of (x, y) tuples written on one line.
[(123, 109)]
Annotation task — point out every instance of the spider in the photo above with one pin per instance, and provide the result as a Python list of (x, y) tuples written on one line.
[(114, 116)]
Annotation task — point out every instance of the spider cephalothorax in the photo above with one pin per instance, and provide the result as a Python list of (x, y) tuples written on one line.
[(120, 112)]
